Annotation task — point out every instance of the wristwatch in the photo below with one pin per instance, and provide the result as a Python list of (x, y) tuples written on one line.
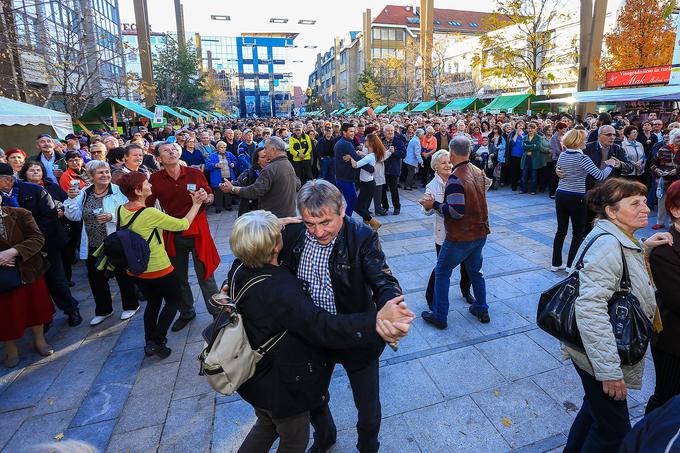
[(234, 189)]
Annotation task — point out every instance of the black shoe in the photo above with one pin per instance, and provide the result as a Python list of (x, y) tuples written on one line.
[(396, 211), (381, 213), (483, 316), (408, 188), (181, 323), (217, 211), (74, 318), (71, 284), (319, 448), (160, 350), (148, 348), (430, 319), (468, 298)]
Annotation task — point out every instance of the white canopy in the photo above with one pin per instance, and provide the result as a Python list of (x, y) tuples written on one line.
[(15, 113)]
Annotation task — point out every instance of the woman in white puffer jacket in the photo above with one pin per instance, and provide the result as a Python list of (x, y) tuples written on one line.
[(621, 209)]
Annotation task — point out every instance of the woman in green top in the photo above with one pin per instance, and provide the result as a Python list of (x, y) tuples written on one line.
[(158, 282)]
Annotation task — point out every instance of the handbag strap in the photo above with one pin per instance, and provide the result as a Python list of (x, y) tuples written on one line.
[(625, 283), (579, 263)]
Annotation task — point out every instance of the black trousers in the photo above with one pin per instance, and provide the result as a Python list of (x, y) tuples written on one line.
[(391, 184), (410, 176), (544, 174), (68, 253), (366, 189), (293, 433), (514, 171), (157, 320), (569, 207), (426, 172), (366, 392), (303, 170), (464, 283), (57, 283), (101, 291), (602, 422), (667, 368), (222, 200)]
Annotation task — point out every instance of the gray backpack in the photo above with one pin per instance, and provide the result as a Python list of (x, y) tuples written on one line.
[(227, 359)]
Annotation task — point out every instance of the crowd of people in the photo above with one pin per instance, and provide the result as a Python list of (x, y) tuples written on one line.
[(296, 184)]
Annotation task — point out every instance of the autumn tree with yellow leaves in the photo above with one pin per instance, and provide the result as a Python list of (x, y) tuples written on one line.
[(643, 36)]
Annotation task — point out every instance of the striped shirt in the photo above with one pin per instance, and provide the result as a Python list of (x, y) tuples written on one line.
[(577, 167), (453, 206)]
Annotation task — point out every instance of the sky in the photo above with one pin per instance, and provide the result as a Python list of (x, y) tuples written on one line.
[(333, 18)]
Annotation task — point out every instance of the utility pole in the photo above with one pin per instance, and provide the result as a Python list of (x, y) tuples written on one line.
[(590, 47), (179, 18), (144, 45), (426, 32)]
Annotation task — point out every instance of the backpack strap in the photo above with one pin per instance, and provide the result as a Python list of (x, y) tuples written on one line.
[(134, 217)]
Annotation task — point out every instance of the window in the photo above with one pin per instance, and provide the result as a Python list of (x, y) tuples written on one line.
[(391, 35), (262, 53), (454, 23), (264, 84), (399, 35), (376, 33), (249, 84), (474, 24), (279, 53), (247, 52), (413, 20)]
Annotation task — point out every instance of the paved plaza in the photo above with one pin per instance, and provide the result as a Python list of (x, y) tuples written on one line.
[(475, 387)]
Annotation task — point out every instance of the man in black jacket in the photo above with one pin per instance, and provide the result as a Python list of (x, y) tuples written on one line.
[(342, 267), (324, 151), (394, 143), (36, 199)]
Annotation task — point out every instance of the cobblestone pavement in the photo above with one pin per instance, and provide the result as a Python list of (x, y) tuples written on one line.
[(496, 387)]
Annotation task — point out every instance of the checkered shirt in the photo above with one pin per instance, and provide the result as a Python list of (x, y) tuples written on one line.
[(313, 271)]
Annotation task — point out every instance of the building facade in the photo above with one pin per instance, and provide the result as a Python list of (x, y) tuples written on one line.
[(253, 69), (53, 33)]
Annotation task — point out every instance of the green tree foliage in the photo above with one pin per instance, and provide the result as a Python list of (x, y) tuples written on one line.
[(178, 79), (525, 49), (367, 92)]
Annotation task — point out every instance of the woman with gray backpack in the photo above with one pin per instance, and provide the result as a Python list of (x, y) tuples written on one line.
[(289, 330)]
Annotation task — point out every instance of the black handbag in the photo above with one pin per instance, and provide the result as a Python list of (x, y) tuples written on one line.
[(632, 329), (10, 278)]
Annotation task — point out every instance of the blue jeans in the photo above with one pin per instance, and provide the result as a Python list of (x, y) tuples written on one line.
[(328, 169), (450, 256), (349, 192), (526, 171)]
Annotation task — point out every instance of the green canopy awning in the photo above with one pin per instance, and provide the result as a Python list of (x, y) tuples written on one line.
[(339, 112), (173, 112), (399, 108), (333, 112), (103, 110), (199, 113), (350, 111), (362, 110), (425, 106), (380, 109), (188, 112), (512, 103), (458, 105)]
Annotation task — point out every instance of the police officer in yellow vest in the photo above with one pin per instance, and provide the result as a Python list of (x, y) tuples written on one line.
[(301, 151)]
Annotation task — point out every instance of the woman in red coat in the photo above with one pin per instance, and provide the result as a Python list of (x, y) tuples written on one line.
[(28, 305)]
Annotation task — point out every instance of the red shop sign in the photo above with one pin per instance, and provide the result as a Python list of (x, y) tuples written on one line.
[(640, 76)]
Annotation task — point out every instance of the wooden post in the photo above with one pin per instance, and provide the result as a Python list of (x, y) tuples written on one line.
[(83, 127), (113, 115)]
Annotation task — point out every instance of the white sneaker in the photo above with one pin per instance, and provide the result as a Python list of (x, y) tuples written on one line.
[(558, 268), (127, 314), (99, 319)]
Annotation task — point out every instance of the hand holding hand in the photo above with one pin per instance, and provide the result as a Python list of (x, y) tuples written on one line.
[(658, 239), (396, 310), (615, 389), (196, 198), (8, 257), (391, 332), (427, 201), (226, 187)]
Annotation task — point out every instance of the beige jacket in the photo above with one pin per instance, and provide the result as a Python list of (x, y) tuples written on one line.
[(599, 279)]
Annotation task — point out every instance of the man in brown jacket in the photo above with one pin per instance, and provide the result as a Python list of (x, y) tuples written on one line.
[(466, 220), (277, 184)]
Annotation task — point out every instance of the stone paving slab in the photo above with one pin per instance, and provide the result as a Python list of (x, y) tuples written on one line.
[(441, 391)]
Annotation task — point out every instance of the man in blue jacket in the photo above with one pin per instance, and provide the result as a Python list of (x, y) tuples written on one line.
[(345, 174), (397, 146)]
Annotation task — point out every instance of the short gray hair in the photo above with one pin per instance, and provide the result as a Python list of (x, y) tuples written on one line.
[(601, 130), (159, 145), (419, 132), (460, 146), (277, 143), (388, 126), (93, 165), (437, 157), (317, 195)]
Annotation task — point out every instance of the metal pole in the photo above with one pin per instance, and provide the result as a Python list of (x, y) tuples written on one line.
[(179, 19), (426, 25), (144, 45)]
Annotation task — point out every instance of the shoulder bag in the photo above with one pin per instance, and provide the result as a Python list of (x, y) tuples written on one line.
[(632, 329)]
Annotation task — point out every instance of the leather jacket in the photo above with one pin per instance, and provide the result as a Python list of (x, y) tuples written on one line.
[(362, 281)]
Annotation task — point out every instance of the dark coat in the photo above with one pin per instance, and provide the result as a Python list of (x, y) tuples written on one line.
[(393, 164), (362, 281), (665, 263), (36, 199), (593, 151), (290, 378), (24, 235), (656, 432)]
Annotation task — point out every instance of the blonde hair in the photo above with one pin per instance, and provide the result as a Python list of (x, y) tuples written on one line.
[(574, 139), (254, 237), (437, 157)]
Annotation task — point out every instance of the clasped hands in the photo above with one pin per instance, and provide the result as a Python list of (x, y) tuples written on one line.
[(427, 201), (394, 319)]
